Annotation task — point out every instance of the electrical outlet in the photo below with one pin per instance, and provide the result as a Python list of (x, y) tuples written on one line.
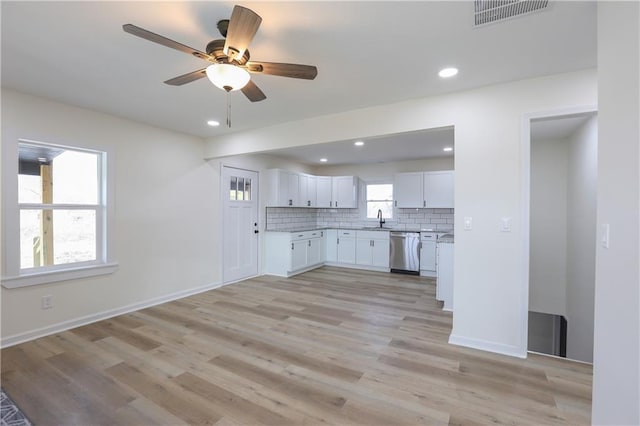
[(47, 302)]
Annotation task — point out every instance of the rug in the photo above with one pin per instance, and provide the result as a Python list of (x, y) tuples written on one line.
[(10, 414)]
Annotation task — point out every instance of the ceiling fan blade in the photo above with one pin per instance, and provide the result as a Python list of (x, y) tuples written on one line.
[(156, 38), (253, 92), (243, 25), (307, 72), (187, 78)]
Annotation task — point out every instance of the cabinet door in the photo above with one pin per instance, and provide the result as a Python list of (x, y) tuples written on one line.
[(298, 254), (294, 189), (345, 192), (303, 191), (346, 250), (332, 245), (313, 251), (438, 189), (363, 251), (407, 190), (323, 192), (428, 256), (312, 188), (380, 253)]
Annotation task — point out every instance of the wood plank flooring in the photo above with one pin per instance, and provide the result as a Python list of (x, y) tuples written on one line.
[(331, 346)]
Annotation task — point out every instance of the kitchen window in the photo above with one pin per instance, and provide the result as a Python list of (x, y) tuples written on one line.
[(61, 215), (379, 197)]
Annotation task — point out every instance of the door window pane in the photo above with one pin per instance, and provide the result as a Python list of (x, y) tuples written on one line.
[(233, 189), (240, 189), (247, 189)]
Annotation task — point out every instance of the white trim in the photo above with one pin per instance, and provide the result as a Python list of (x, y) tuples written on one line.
[(485, 345), (68, 273), (77, 322), (525, 191)]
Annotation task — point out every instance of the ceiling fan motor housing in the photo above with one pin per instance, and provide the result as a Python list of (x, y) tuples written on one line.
[(215, 48)]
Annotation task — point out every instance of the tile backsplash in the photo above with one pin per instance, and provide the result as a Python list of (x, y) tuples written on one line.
[(291, 218)]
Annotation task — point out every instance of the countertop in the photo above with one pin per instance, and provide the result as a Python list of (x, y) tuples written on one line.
[(363, 228)]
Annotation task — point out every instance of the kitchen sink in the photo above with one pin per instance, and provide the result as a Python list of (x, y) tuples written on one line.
[(384, 228)]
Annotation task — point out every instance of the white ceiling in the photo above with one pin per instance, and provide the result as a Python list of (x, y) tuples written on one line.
[(367, 53), (406, 146)]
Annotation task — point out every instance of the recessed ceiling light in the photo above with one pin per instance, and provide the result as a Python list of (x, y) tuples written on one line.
[(358, 143), (323, 160), (447, 149), (448, 72), (213, 123), (42, 159)]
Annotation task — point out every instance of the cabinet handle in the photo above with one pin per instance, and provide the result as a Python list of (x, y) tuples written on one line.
[(290, 202), (309, 203), (370, 243), (309, 243), (338, 241), (330, 203), (424, 203), (336, 204), (291, 246), (396, 203), (322, 233)]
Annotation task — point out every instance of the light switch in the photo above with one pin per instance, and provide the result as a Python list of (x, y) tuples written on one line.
[(468, 223), (605, 235), (505, 224)]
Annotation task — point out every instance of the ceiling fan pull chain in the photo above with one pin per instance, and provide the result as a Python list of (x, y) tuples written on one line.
[(228, 111)]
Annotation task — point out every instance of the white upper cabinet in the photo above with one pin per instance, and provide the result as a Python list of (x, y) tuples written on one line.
[(280, 192), (424, 190), (345, 192), (407, 190), (307, 191), (290, 189), (323, 192), (438, 189)]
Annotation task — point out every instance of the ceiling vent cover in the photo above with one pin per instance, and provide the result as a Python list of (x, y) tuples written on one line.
[(488, 11)]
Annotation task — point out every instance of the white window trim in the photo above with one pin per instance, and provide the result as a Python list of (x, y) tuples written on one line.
[(363, 201), (12, 275)]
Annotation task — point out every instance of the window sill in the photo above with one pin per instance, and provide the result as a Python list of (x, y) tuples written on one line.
[(62, 275)]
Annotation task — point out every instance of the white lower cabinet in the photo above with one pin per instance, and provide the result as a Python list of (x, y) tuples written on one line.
[(289, 253), (332, 245), (444, 283), (372, 248), (346, 251)]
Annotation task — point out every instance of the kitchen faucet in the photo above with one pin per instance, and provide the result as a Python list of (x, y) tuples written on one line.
[(380, 217)]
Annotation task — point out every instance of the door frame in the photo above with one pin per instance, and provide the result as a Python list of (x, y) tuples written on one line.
[(525, 214), (222, 188)]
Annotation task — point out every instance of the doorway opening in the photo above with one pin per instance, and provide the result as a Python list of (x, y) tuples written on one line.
[(562, 234)]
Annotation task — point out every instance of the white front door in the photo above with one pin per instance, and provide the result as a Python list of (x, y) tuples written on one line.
[(240, 224)]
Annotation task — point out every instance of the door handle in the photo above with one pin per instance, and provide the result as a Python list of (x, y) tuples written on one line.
[(256, 231)]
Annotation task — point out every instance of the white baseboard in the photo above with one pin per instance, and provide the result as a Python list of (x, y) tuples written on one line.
[(77, 322), (488, 346)]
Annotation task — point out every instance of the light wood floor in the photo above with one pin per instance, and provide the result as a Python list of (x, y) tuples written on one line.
[(332, 346)]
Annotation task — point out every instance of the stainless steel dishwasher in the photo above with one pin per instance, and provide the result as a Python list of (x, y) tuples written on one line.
[(404, 253)]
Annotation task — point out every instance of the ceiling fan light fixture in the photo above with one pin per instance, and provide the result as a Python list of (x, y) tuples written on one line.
[(228, 77)]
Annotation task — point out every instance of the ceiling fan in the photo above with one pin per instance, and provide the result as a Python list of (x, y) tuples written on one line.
[(229, 57)]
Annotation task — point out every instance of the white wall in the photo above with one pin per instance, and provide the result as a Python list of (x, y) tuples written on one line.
[(163, 210), (616, 372), (548, 223), (581, 237), (489, 266)]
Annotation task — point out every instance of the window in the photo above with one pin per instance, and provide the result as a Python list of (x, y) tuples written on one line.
[(61, 214), (379, 197), (240, 189)]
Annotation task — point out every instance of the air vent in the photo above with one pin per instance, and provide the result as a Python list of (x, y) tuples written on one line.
[(488, 11)]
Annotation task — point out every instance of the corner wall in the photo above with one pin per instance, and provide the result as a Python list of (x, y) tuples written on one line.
[(581, 239), (616, 360), (163, 210)]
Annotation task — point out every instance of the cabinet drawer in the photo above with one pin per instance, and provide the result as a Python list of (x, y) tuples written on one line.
[(373, 235), (346, 233), (305, 235)]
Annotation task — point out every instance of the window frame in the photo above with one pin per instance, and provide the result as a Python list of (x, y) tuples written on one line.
[(363, 209), (13, 275)]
